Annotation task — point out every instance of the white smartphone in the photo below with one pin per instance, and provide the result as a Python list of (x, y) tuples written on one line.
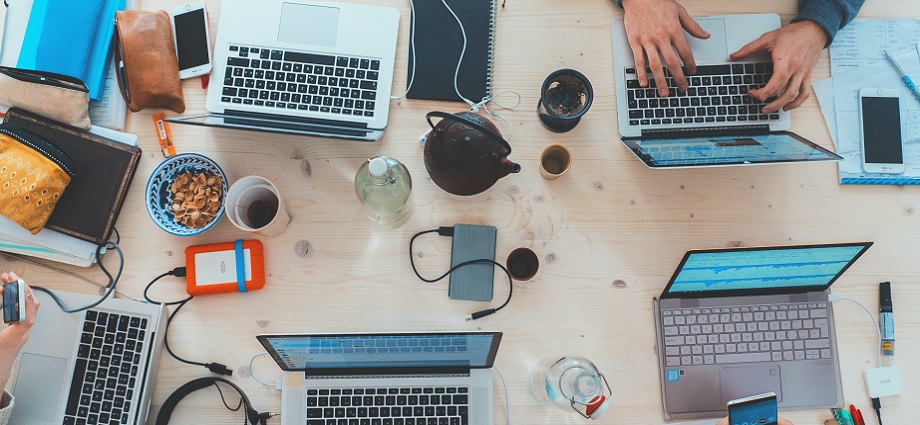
[(193, 42), (880, 131), (14, 301), (754, 410)]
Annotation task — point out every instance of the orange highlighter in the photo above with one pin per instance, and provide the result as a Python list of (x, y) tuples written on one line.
[(164, 135)]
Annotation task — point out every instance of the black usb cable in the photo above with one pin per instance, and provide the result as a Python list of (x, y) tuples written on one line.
[(449, 231), (180, 272)]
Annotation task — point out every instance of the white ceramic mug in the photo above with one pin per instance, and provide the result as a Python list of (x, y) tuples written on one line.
[(250, 202)]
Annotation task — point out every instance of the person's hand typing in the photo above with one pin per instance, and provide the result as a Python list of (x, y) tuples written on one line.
[(14, 337), (795, 49), (655, 28)]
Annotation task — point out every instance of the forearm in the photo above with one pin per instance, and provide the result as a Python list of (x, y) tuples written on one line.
[(830, 15)]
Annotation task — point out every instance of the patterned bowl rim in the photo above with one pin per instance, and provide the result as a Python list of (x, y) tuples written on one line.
[(159, 169)]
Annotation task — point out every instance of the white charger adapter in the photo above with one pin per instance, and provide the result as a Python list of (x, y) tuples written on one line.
[(883, 381)]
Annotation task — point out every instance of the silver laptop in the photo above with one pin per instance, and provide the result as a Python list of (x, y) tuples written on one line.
[(96, 366), (734, 322), (302, 67), (415, 376), (714, 123)]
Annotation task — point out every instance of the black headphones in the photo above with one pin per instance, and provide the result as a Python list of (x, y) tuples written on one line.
[(252, 415)]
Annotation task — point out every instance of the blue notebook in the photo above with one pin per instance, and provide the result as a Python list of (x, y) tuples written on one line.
[(71, 38)]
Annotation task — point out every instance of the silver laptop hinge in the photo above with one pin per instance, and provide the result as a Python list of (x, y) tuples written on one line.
[(425, 375), (677, 133)]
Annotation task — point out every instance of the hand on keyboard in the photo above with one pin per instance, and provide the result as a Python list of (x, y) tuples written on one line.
[(656, 27), (795, 49)]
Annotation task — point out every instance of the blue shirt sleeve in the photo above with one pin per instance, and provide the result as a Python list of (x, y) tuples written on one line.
[(831, 15)]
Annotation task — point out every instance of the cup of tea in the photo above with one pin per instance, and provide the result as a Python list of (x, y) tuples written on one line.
[(555, 160), (523, 264), (255, 205), (565, 96)]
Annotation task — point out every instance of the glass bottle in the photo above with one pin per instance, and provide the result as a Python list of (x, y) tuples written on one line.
[(570, 383), (384, 187)]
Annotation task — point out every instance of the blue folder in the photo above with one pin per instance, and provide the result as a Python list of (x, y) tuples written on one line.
[(71, 38)]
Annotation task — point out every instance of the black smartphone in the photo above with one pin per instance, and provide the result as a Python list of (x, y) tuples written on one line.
[(754, 410), (14, 301)]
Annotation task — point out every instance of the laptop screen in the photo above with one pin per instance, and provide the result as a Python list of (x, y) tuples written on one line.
[(346, 353), (727, 150), (761, 270)]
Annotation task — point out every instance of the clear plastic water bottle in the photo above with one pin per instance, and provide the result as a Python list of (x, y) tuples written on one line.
[(384, 187), (571, 384)]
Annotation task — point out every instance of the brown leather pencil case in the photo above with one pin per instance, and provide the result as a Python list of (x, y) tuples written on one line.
[(145, 54)]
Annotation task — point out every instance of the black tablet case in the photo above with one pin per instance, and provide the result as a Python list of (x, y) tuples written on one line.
[(438, 43)]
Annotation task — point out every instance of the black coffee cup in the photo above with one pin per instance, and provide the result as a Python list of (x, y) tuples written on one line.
[(523, 264)]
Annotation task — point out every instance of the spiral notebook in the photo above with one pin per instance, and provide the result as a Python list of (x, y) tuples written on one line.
[(439, 42)]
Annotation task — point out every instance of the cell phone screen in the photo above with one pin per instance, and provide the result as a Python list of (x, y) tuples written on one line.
[(10, 302), (881, 124), (191, 39), (755, 412)]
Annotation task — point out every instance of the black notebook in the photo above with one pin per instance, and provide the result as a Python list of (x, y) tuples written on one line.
[(438, 43)]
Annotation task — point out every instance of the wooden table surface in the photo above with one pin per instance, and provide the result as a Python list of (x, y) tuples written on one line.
[(609, 233)]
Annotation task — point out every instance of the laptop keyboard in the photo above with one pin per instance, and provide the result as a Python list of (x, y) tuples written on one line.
[(107, 365), (717, 94), (300, 81), (388, 406), (742, 334)]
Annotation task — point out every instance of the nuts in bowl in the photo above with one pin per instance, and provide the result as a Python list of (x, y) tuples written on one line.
[(196, 198), (185, 194)]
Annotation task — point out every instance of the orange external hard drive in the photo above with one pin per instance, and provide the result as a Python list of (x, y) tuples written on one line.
[(224, 267)]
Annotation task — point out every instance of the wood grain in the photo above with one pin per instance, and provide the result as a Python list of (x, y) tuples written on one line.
[(608, 234)]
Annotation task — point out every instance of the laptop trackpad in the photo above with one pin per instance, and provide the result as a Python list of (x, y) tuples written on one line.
[(306, 24), (746, 381), (38, 387), (715, 48)]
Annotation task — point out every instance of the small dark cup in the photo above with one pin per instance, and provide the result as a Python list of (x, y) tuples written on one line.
[(566, 96), (523, 264)]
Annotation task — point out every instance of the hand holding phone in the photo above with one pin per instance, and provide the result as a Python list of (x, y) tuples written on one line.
[(193, 43), (14, 301), (754, 410), (880, 131)]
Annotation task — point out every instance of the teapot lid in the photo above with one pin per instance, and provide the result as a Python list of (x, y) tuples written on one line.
[(468, 122)]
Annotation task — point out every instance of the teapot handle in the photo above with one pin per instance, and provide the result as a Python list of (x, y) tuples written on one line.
[(490, 133)]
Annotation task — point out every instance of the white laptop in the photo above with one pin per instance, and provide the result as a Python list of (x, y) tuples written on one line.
[(714, 123), (95, 366), (414, 376), (302, 67)]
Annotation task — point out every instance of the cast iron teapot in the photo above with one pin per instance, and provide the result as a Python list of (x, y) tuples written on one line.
[(465, 154)]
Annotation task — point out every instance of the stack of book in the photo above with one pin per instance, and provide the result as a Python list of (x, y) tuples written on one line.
[(85, 216)]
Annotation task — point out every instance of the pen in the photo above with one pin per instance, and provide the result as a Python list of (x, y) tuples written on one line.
[(857, 415), (886, 318), (164, 135), (910, 83)]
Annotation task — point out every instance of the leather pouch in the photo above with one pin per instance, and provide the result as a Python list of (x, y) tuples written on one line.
[(145, 53), (33, 175), (54, 96)]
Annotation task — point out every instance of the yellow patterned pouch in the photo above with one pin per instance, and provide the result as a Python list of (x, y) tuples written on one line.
[(33, 175)]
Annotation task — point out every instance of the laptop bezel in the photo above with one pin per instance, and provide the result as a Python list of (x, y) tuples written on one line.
[(264, 123), (630, 143), (666, 294), (490, 358)]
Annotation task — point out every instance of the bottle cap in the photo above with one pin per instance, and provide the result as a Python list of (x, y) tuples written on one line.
[(377, 167)]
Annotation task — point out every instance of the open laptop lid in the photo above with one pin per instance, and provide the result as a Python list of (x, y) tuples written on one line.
[(711, 150), (382, 353), (279, 124), (770, 270)]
